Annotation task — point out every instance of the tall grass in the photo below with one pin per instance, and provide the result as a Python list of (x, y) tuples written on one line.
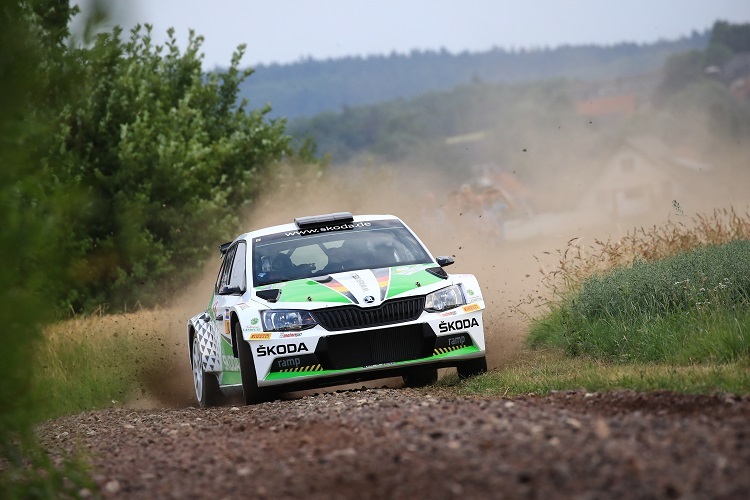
[(678, 294), (578, 262), (99, 361)]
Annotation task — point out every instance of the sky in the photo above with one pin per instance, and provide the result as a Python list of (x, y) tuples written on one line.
[(286, 31)]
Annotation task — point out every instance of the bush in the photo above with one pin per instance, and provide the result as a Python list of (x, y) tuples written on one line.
[(164, 160), (29, 225), (694, 306)]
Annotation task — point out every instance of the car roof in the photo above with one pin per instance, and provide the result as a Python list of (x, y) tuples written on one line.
[(293, 227)]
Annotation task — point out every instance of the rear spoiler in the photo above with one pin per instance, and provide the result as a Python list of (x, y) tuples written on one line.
[(224, 247)]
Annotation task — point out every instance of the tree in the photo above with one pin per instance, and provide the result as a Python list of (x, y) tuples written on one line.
[(681, 70), (30, 224), (735, 37), (167, 159)]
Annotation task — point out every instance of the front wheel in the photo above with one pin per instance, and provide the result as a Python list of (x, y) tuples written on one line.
[(250, 390), (420, 377), (206, 384), (472, 367)]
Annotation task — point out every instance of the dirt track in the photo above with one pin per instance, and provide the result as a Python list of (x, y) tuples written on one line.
[(390, 443), (401, 443)]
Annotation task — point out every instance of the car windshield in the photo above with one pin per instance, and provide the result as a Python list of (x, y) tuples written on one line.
[(317, 252)]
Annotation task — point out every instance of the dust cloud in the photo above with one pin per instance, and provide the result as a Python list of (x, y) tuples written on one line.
[(505, 241), (507, 258)]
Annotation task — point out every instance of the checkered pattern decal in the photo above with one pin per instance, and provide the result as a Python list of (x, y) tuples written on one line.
[(209, 344)]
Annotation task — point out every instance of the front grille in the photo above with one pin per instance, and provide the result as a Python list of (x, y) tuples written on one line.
[(374, 347), (352, 317)]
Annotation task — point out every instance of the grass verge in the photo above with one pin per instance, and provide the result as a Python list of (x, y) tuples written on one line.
[(691, 307), (663, 309), (102, 361), (542, 371)]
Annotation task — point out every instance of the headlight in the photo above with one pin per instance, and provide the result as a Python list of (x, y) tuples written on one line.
[(282, 320), (444, 299)]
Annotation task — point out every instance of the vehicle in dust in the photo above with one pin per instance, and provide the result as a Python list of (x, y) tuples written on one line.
[(333, 299)]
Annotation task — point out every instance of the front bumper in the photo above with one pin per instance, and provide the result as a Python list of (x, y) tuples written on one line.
[(321, 357)]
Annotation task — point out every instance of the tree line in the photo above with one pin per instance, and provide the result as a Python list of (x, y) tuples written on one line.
[(685, 107), (309, 87)]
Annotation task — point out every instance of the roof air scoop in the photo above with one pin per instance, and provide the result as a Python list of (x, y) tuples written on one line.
[(324, 220)]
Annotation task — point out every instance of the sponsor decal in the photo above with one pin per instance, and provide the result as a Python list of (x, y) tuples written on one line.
[(331, 227), (369, 299), (286, 365), (380, 364), (289, 335), (317, 230), (243, 306), (459, 324), (289, 362), (227, 327), (254, 326), (457, 340), (278, 350), (356, 277), (471, 307), (260, 336), (445, 314), (473, 297), (451, 343)]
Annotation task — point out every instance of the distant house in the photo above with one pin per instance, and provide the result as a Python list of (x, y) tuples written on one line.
[(515, 194), (642, 174), (615, 98), (736, 74)]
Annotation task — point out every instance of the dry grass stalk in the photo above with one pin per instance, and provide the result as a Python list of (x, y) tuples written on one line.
[(578, 261)]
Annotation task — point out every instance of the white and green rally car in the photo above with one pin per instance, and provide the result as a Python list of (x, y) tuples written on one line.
[(332, 299)]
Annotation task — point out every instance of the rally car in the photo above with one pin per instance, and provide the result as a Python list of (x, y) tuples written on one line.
[(332, 299)]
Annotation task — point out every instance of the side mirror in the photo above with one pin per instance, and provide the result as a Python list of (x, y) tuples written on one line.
[(231, 290), (445, 260)]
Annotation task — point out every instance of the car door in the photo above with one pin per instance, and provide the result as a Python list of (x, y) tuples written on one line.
[(230, 286)]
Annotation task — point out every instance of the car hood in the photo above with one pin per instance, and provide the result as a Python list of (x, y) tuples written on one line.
[(363, 287)]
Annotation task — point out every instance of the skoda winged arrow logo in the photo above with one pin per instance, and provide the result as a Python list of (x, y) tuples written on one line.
[(369, 299)]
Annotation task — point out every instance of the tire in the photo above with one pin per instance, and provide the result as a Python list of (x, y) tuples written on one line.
[(420, 377), (472, 367), (250, 390), (206, 385)]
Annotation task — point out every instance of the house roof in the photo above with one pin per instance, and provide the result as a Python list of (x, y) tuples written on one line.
[(599, 106)]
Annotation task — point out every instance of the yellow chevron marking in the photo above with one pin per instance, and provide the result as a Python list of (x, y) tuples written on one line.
[(443, 350), (310, 368)]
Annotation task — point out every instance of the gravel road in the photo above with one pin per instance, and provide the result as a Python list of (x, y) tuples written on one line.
[(403, 443)]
